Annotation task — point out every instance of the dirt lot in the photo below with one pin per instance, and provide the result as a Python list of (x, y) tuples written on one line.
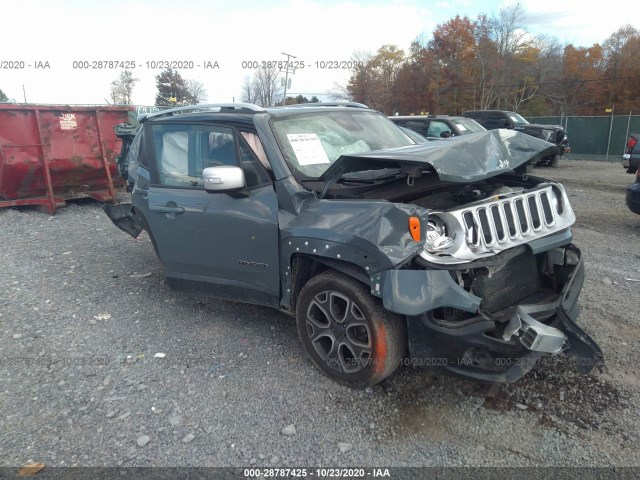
[(84, 311)]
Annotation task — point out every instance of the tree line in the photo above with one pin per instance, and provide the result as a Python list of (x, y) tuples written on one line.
[(495, 63)]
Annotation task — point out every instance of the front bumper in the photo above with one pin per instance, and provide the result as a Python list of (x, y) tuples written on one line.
[(489, 350)]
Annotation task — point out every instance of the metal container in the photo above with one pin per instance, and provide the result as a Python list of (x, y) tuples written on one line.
[(53, 153)]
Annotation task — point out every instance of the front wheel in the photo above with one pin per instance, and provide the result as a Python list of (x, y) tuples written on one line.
[(347, 333), (555, 160)]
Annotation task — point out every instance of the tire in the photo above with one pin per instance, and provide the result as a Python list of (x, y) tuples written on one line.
[(347, 333), (555, 160)]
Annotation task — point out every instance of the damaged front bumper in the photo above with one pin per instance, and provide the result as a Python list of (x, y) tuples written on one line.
[(500, 346)]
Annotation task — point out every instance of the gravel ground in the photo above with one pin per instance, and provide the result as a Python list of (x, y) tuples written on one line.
[(84, 313)]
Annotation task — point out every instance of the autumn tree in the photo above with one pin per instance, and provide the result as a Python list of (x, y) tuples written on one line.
[(495, 63), (122, 88), (453, 46), (621, 55)]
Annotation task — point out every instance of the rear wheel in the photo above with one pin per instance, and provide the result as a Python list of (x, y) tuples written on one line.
[(347, 333)]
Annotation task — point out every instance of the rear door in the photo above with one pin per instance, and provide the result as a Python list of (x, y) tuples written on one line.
[(223, 243)]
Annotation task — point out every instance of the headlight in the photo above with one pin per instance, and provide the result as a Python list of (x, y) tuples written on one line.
[(437, 238)]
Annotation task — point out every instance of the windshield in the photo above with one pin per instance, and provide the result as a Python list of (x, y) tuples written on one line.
[(312, 141), (517, 119), (467, 125)]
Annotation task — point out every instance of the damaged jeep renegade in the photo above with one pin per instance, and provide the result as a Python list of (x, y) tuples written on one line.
[(387, 252)]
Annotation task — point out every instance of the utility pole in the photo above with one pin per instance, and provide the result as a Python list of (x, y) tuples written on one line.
[(613, 108), (24, 93), (286, 76)]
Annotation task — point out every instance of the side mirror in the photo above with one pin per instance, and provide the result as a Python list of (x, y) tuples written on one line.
[(223, 178)]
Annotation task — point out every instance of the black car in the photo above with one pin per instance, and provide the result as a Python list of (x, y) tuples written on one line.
[(445, 254), (633, 194), (413, 135), (631, 156), (438, 126), (492, 119)]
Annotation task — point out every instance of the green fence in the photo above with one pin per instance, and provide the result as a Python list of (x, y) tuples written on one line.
[(595, 138)]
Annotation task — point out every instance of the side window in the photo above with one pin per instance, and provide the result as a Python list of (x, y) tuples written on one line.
[(183, 151), (436, 128), (255, 173), (496, 121), (418, 126)]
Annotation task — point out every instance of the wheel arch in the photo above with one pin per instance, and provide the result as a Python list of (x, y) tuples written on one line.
[(303, 267)]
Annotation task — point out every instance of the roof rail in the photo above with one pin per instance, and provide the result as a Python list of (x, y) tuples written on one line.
[(329, 104), (218, 107)]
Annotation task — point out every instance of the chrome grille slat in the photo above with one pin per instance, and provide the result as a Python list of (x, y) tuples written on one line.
[(544, 201), (527, 212), (511, 219)]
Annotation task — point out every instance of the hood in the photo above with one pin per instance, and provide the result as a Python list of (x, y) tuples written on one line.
[(467, 158)]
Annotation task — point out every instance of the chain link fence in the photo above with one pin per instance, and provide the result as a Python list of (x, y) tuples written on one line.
[(595, 138)]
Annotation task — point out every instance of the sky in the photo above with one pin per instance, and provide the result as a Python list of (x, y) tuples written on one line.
[(44, 45)]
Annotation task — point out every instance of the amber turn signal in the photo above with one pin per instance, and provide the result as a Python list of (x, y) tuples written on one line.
[(414, 228)]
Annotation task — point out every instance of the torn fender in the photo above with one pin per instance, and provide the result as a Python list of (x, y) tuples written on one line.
[(414, 292)]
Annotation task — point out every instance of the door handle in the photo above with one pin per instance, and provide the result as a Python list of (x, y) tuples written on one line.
[(167, 209)]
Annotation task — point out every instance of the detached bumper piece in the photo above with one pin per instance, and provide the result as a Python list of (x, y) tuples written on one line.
[(502, 346), (122, 218)]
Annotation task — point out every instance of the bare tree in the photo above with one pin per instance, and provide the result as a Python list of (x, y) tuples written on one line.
[(339, 93), (122, 88), (196, 90), (266, 87), (248, 94)]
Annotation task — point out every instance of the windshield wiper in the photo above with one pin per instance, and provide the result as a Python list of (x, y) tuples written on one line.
[(331, 181), (372, 176)]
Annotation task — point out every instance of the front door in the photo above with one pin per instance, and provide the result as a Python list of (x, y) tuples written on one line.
[(224, 244)]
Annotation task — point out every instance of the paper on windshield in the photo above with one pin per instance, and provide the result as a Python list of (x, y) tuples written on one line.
[(308, 148)]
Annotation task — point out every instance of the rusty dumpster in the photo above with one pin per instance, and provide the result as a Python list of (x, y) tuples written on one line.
[(53, 153)]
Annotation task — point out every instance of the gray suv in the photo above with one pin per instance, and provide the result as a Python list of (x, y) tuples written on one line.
[(386, 252)]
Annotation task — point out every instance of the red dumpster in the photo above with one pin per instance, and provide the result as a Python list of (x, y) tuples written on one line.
[(53, 153)]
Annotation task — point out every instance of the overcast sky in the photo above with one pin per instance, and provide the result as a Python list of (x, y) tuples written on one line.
[(229, 33)]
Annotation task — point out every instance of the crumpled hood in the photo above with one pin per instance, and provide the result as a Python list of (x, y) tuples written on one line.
[(467, 158)]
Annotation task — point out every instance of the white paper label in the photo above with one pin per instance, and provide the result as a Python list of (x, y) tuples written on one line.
[(68, 121), (462, 128), (308, 148)]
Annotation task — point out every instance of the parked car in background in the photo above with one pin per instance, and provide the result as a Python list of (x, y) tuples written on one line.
[(413, 135), (633, 194), (446, 254), (438, 126), (631, 156), (492, 119)]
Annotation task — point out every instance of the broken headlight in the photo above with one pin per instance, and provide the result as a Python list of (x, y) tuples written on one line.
[(438, 236)]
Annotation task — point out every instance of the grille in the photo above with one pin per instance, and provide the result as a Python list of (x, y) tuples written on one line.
[(506, 220), (495, 224)]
